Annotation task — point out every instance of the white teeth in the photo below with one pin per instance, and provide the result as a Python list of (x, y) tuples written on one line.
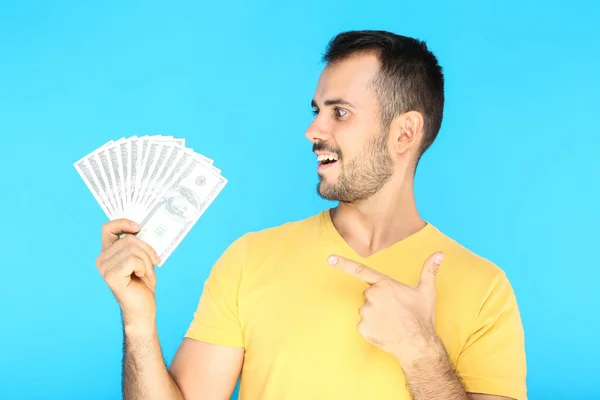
[(330, 157)]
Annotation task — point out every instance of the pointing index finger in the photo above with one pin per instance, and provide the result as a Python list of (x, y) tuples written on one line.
[(357, 270)]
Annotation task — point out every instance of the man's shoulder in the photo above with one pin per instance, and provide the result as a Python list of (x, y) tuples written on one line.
[(464, 263), (282, 232), (468, 280)]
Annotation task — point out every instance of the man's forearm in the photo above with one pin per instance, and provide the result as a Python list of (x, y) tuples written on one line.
[(432, 377), (145, 375)]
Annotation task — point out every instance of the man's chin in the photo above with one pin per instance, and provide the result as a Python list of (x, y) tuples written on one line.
[(326, 191)]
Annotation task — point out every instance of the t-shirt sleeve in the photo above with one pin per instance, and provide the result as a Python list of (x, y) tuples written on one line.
[(493, 359), (216, 318)]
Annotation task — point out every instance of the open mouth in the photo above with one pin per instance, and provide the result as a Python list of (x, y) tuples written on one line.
[(327, 159)]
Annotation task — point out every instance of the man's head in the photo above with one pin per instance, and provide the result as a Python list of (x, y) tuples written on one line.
[(378, 105)]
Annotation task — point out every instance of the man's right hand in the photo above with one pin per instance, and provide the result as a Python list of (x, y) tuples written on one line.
[(127, 266)]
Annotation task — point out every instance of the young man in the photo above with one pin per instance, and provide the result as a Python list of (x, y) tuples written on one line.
[(363, 301)]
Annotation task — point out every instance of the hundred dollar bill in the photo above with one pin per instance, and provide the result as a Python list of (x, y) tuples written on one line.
[(175, 213), (116, 171), (168, 140), (107, 174), (143, 144), (204, 158), (171, 176), (155, 181), (165, 159), (157, 148), (86, 174), (135, 164), (124, 153), (154, 165), (146, 148), (94, 181), (176, 161), (147, 163), (100, 176)]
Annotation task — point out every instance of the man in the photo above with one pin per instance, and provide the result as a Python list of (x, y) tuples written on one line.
[(354, 302)]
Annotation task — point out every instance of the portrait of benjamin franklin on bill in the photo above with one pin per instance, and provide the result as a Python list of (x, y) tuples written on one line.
[(181, 204)]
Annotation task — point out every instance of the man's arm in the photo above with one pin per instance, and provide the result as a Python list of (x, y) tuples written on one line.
[(399, 319), (145, 375), (433, 378), (206, 371), (199, 370)]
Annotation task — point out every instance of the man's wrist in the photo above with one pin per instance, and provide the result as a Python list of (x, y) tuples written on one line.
[(139, 327), (135, 331), (430, 374), (425, 353)]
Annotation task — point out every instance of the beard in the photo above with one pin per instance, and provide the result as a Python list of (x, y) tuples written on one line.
[(364, 175)]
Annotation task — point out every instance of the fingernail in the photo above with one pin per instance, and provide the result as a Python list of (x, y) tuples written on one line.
[(438, 259), (135, 225), (332, 260)]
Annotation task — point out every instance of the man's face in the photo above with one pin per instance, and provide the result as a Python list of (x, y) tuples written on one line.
[(354, 156)]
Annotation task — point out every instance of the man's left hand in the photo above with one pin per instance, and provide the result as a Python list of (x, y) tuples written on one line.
[(396, 317)]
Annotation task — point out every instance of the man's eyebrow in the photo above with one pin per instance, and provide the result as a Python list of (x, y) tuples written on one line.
[(333, 102)]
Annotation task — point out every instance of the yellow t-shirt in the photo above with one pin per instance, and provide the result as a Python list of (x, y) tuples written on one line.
[(273, 293)]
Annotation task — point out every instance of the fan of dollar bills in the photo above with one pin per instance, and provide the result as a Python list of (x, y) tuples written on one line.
[(155, 181)]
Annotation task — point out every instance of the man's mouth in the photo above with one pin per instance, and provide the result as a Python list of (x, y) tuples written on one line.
[(327, 158)]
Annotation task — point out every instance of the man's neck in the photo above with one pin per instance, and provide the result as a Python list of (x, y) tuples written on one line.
[(384, 219)]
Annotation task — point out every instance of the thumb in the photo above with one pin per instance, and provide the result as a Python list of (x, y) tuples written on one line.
[(430, 270)]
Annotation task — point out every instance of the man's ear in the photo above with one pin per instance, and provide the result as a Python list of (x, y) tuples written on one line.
[(406, 131)]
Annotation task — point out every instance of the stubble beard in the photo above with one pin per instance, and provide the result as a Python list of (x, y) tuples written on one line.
[(364, 176)]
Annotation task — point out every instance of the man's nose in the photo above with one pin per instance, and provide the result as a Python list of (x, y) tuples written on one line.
[(317, 131)]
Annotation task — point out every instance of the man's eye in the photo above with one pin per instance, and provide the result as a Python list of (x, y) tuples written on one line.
[(340, 112), (315, 111)]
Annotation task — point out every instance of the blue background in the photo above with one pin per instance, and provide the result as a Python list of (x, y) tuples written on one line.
[(513, 175)]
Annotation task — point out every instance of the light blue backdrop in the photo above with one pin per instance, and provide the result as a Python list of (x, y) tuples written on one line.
[(513, 176)]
